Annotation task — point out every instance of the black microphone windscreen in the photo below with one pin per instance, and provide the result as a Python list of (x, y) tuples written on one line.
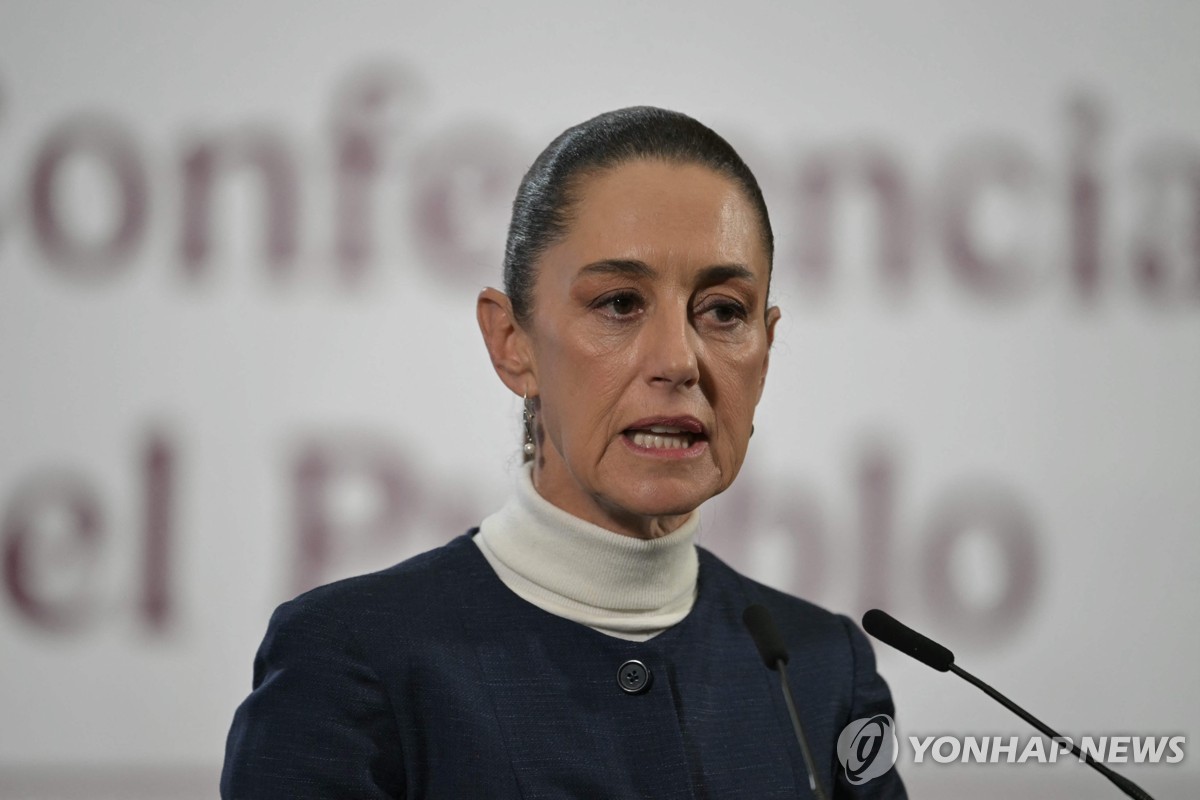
[(891, 631), (765, 635)]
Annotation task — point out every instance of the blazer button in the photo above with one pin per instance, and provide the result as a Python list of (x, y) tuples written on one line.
[(634, 677)]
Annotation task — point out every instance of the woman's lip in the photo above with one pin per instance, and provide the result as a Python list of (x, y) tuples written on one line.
[(685, 423)]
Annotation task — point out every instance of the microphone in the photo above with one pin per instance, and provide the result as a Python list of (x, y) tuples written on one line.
[(891, 631), (774, 654), (765, 635)]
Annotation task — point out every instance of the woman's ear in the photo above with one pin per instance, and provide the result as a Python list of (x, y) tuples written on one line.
[(507, 342)]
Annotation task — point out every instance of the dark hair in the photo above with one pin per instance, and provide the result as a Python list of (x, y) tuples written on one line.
[(542, 209)]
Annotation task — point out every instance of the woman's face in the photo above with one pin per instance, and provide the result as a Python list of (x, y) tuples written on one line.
[(648, 343)]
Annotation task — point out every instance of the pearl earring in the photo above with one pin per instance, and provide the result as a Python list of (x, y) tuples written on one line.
[(530, 446)]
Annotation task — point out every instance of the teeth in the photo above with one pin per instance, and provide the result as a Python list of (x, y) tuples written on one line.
[(656, 442), (664, 429)]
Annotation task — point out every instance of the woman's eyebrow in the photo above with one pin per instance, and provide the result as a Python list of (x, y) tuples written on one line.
[(629, 267), (719, 273)]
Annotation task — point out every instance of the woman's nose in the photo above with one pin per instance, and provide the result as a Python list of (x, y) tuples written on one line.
[(672, 349)]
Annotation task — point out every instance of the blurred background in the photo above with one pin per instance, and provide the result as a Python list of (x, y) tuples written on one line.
[(240, 245)]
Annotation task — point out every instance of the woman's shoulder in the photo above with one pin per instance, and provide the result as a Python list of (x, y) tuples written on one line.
[(406, 593), (798, 619)]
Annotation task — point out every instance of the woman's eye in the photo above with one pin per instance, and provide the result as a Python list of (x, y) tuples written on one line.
[(621, 305), (726, 312)]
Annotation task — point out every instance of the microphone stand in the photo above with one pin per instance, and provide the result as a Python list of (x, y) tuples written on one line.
[(890, 630), (1120, 781), (805, 751)]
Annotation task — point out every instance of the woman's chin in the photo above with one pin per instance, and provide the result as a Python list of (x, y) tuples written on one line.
[(661, 496), (633, 494)]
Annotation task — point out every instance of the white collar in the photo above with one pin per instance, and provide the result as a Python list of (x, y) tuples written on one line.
[(626, 587)]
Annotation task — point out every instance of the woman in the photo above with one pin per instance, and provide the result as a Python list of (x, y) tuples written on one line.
[(578, 644)]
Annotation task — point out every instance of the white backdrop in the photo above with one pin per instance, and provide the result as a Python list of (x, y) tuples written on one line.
[(239, 251)]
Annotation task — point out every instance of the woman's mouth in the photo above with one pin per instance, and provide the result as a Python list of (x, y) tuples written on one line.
[(662, 438), (678, 438)]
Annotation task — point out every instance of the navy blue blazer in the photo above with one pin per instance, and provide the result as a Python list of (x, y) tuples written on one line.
[(431, 679)]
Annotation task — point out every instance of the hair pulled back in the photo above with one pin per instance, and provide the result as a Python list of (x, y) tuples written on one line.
[(543, 206)]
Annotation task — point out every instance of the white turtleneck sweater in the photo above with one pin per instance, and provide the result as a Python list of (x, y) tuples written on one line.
[(625, 587)]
